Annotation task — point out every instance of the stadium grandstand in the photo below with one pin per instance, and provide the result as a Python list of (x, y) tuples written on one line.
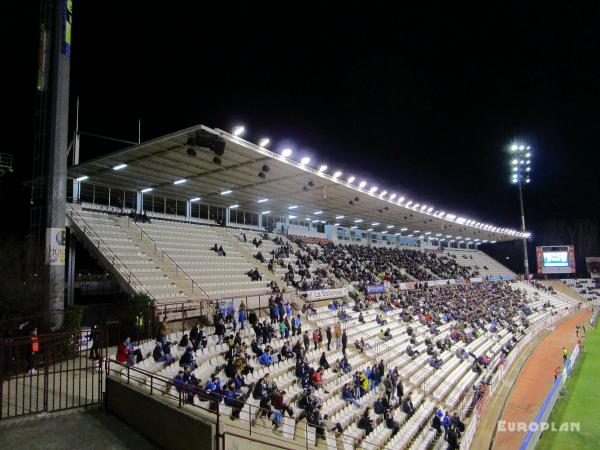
[(331, 313)]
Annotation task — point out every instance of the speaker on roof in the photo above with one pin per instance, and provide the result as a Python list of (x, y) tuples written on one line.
[(261, 174), (305, 188), (191, 152), (351, 202), (217, 160), (356, 199), (310, 183), (214, 143), (265, 168)]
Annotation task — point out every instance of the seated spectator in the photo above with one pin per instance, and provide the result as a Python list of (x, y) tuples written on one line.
[(408, 407), (265, 358), (126, 353), (391, 424), (387, 335), (187, 359), (365, 423), (348, 395), (159, 355), (412, 353)]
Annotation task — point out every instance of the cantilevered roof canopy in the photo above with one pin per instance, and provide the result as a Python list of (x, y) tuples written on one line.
[(161, 162)]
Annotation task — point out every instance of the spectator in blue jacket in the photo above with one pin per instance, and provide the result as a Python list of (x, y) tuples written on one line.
[(265, 358), (188, 359), (348, 395)]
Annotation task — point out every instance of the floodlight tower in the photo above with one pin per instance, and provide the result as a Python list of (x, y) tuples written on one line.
[(520, 163)]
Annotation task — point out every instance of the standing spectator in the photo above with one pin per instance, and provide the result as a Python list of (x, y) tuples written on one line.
[(35, 348), (344, 341), (316, 337), (556, 373), (95, 338), (164, 330), (329, 336), (337, 332)]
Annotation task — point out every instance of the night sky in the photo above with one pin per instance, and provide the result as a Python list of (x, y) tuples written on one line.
[(420, 101)]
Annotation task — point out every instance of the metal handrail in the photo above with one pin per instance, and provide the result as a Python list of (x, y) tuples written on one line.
[(87, 230), (163, 253)]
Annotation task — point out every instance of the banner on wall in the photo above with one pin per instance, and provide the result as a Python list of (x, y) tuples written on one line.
[(55, 246), (376, 289), (325, 294), (593, 265)]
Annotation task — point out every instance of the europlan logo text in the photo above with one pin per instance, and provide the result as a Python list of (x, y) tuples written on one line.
[(511, 427)]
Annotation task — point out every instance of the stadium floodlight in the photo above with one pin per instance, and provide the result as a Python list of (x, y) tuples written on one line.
[(382, 193), (305, 160), (362, 184), (392, 196), (265, 212), (82, 178), (408, 203), (430, 209), (119, 166), (520, 175), (373, 189), (195, 199), (293, 207), (353, 227), (144, 191), (351, 179), (317, 213), (179, 181), (264, 142), (403, 229), (262, 200), (314, 221), (339, 217), (390, 227), (322, 167), (287, 152), (401, 199), (416, 205), (423, 208), (226, 192), (397, 234), (291, 216), (358, 221), (375, 224), (322, 221), (384, 232), (234, 206), (337, 224), (370, 229), (239, 130), (337, 174)]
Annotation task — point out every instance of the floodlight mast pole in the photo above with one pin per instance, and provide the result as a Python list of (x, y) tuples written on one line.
[(525, 259)]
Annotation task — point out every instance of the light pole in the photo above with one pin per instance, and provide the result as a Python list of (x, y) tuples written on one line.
[(520, 170)]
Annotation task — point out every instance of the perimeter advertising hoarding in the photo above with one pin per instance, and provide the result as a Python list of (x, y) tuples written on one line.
[(555, 259)]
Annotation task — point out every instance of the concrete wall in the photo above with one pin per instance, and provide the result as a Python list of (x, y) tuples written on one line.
[(168, 426)]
